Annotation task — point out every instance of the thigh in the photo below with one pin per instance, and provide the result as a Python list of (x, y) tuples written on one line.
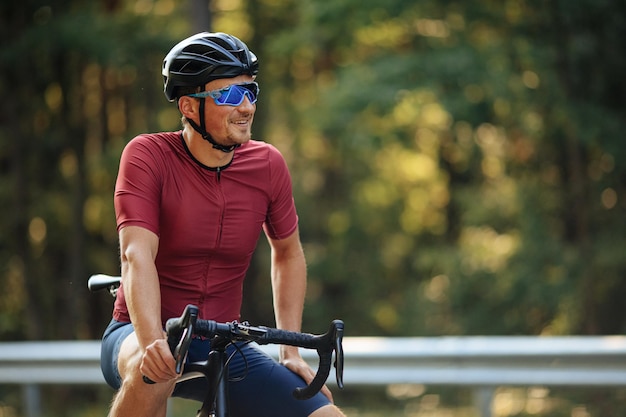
[(261, 387), (112, 340)]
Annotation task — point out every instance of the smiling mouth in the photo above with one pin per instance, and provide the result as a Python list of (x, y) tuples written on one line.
[(241, 123)]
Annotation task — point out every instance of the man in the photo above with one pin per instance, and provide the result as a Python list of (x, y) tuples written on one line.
[(190, 207)]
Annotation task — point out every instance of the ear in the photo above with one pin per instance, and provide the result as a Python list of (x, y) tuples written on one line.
[(188, 107)]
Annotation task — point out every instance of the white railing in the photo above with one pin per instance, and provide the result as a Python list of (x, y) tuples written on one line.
[(479, 362)]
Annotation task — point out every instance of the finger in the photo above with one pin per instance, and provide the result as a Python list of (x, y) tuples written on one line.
[(157, 363), (302, 369)]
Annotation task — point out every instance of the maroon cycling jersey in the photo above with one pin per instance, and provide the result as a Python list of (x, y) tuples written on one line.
[(208, 220)]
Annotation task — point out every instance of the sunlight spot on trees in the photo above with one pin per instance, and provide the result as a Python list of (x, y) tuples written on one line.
[(492, 167), (406, 112), (311, 180), (226, 5), (68, 164), (530, 79), (404, 166), (420, 108), (432, 28), (313, 147), (386, 316), (490, 139), (143, 7), (415, 167), (439, 195), (435, 221), (436, 289), (501, 107), (514, 10), (53, 96), (485, 249), (232, 20), (338, 223), (455, 21), (385, 34), (607, 163), (116, 120), (427, 141), (13, 295), (423, 210), (411, 221), (37, 230), (533, 122), (417, 199), (433, 114), (474, 93), (609, 198), (395, 249), (164, 7), (376, 193), (92, 213)]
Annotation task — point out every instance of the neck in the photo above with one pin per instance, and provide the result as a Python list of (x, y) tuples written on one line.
[(203, 151)]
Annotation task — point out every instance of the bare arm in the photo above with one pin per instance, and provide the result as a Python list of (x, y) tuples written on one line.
[(289, 290), (288, 281), (138, 247)]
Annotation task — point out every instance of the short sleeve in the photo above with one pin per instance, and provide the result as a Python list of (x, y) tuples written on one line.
[(138, 185), (282, 218)]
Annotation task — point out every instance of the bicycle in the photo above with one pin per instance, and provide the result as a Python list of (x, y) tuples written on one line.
[(181, 329)]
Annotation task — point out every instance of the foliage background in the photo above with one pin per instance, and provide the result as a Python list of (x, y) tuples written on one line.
[(458, 166)]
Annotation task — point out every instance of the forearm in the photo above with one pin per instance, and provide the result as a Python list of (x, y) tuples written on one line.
[(141, 283), (288, 286), (143, 299), (289, 290)]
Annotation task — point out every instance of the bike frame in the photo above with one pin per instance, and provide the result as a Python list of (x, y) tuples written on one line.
[(214, 369)]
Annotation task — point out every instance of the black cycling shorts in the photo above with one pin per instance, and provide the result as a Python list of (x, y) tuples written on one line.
[(259, 386)]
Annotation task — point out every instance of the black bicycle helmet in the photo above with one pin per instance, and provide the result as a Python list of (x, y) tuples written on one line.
[(204, 57)]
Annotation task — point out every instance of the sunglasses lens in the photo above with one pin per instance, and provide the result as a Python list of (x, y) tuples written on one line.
[(234, 94)]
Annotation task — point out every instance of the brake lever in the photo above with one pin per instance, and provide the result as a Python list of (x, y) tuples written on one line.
[(186, 323), (180, 351), (338, 338)]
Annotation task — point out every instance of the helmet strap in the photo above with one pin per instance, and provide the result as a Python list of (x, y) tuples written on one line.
[(205, 135)]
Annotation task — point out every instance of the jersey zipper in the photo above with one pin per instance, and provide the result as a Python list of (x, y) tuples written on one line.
[(222, 207), (218, 175)]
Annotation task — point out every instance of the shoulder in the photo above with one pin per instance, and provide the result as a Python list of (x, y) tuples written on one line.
[(154, 141), (153, 146), (256, 149)]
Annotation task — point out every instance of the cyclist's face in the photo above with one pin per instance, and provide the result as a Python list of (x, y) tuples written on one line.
[(229, 125)]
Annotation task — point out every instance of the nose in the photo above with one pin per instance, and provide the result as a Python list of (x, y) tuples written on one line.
[(246, 105)]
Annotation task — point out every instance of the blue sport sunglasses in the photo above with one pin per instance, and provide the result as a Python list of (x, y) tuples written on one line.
[(231, 95)]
